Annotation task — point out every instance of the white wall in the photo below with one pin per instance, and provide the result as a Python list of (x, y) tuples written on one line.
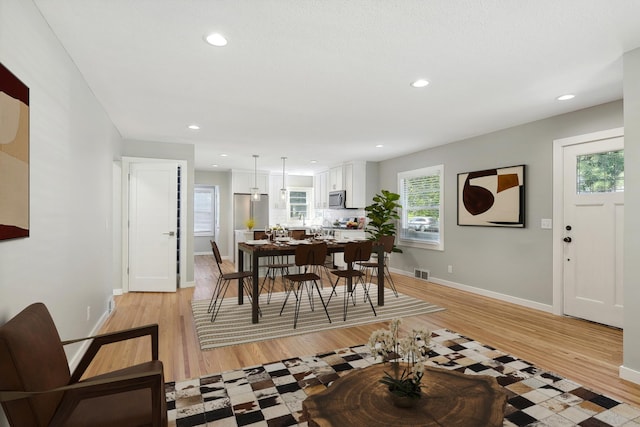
[(516, 264), (67, 260), (631, 360), (512, 262)]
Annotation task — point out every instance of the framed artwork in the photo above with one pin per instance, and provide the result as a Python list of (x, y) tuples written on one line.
[(492, 197), (14, 156)]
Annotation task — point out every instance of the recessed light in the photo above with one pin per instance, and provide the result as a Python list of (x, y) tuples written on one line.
[(194, 127), (379, 146), (223, 155), (565, 97), (314, 161), (216, 39), (215, 166), (420, 83)]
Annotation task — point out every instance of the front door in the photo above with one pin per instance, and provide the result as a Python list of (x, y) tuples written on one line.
[(593, 227), (153, 236)]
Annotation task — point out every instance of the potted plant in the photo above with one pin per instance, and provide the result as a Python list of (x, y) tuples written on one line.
[(382, 214), (403, 382)]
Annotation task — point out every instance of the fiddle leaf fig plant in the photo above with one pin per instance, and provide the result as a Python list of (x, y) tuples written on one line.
[(382, 214)]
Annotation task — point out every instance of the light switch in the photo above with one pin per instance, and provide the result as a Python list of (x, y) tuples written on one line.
[(546, 223)]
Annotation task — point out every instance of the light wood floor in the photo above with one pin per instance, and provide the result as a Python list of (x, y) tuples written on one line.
[(587, 353)]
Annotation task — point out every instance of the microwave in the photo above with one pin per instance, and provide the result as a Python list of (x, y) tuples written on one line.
[(337, 199)]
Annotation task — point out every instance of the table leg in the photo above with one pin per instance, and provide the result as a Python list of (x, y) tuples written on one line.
[(380, 251), (256, 291), (240, 280)]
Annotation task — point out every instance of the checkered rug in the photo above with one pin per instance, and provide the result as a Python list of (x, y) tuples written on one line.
[(271, 395)]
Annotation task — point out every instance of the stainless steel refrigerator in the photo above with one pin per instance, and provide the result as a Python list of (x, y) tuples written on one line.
[(244, 208)]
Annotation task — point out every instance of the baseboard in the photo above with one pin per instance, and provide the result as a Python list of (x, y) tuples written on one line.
[(188, 284), (118, 291), (75, 359), (478, 291), (203, 253), (629, 374)]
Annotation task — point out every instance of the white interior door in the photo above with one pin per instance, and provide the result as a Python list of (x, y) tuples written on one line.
[(592, 231), (153, 227)]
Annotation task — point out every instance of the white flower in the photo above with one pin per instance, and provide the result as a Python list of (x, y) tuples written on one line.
[(418, 370)]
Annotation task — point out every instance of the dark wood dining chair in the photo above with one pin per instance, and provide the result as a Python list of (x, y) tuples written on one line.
[(38, 389), (222, 283), (371, 265), (277, 264), (310, 261), (353, 252)]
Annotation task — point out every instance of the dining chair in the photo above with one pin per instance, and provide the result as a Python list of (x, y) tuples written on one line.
[(353, 252), (309, 258), (38, 389), (371, 265), (222, 283), (275, 264)]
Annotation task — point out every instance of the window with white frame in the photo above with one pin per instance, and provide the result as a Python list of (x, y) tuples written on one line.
[(421, 195), (299, 202), (203, 211)]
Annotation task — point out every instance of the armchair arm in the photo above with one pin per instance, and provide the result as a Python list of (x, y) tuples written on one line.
[(111, 337), (79, 391)]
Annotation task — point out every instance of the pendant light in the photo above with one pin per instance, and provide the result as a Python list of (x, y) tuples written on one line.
[(283, 190), (255, 191)]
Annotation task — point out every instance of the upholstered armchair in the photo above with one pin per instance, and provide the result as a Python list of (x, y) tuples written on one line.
[(38, 389)]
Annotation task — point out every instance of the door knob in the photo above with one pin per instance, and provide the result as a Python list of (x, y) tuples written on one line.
[(170, 233), (567, 239)]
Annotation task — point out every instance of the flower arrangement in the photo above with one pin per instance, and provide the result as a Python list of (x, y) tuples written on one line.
[(412, 350), (250, 223)]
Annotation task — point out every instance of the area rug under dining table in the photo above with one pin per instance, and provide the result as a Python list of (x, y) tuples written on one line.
[(233, 324), (272, 394)]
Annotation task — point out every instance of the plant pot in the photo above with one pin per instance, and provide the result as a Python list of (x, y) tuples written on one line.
[(403, 401)]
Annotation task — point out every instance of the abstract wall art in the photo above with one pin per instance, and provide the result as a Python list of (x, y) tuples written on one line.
[(492, 197), (14, 156)]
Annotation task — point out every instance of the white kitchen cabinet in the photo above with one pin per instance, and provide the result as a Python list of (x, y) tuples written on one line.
[(274, 192), (360, 182), (335, 179), (242, 182), (320, 190)]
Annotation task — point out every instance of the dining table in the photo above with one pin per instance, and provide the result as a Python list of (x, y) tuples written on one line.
[(265, 248)]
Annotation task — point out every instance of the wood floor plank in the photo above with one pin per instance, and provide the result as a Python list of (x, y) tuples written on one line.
[(585, 352)]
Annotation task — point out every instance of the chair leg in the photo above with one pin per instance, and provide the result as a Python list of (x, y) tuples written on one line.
[(367, 296), (214, 295), (288, 290), (298, 295), (333, 291), (391, 284), (315, 283), (268, 276), (218, 301)]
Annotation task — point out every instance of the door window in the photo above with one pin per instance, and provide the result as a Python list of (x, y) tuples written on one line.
[(600, 172)]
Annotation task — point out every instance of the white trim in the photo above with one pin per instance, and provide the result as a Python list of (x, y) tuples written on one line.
[(478, 291), (629, 374), (558, 206), (417, 243), (126, 164), (191, 284), (75, 359)]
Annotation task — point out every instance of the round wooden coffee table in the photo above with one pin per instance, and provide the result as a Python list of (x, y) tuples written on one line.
[(449, 399)]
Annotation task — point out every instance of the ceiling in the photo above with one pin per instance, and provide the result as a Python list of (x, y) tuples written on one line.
[(328, 80)]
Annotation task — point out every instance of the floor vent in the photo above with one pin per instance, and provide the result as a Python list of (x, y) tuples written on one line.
[(419, 273)]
